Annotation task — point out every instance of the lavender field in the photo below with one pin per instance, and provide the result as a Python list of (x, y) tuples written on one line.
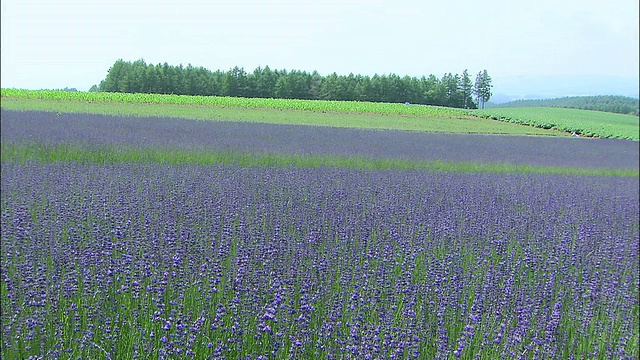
[(144, 132), (159, 261)]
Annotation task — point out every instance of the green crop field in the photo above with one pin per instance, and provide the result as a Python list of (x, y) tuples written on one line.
[(250, 103), (584, 122)]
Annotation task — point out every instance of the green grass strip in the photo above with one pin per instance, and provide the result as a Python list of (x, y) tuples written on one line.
[(38, 153)]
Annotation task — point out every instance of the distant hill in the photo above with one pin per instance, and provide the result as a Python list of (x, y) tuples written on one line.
[(607, 103), (509, 88)]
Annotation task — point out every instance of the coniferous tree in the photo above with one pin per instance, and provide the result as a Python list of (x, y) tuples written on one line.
[(451, 90), (451, 85), (235, 82), (431, 90), (466, 87), (482, 88), (265, 82), (283, 90), (315, 86), (115, 76)]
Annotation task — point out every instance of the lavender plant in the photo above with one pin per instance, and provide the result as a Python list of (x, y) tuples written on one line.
[(228, 262)]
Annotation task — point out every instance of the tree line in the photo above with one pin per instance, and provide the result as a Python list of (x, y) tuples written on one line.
[(451, 90), (607, 103)]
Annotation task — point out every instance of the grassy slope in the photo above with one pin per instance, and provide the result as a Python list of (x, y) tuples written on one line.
[(586, 122), (456, 123)]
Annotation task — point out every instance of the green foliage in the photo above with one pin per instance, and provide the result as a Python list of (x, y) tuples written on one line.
[(140, 77), (466, 87), (482, 88), (582, 122), (614, 104)]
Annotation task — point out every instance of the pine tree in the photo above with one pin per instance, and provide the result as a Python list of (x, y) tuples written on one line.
[(466, 86), (482, 88)]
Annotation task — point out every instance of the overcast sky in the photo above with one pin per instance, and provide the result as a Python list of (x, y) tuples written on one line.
[(72, 43)]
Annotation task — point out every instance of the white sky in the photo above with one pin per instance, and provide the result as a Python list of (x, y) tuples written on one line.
[(72, 43)]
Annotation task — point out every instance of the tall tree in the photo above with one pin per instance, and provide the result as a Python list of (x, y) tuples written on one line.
[(315, 86), (330, 87), (117, 75), (235, 82), (363, 90), (483, 87), (431, 90), (283, 88), (466, 86), (265, 82), (452, 90), (451, 84), (299, 84)]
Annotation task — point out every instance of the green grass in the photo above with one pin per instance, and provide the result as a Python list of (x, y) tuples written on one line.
[(584, 122), (88, 154), (278, 111)]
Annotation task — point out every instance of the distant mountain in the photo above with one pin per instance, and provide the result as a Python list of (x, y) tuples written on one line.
[(614, 104), (509, 88)]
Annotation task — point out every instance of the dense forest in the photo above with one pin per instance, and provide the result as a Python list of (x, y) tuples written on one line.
[(451, 90), (614, 104)]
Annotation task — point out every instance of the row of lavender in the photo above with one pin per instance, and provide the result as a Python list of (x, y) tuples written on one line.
[(254, 263), (52, 128)]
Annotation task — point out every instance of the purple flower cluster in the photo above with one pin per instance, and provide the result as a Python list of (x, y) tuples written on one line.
[(226, 262)]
